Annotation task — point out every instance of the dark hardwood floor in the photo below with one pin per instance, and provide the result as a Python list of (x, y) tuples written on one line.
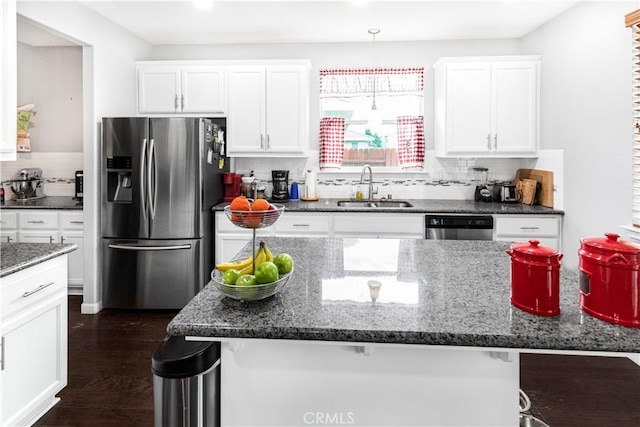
[(110, 380)]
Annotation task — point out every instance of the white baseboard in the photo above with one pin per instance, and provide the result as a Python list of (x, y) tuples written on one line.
[(90, 308)]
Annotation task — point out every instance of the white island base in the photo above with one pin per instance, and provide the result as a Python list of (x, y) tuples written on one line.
[(302, 383)]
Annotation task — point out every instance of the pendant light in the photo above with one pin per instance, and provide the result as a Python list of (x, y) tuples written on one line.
[(374, 120)]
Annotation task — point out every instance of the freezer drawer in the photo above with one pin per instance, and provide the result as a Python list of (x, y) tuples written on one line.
[(150, 274)]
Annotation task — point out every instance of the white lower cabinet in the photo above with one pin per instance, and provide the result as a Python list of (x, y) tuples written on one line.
[(9, 227), (391, 226), (520, 228), (49, 226), (230, 239), (34, 341)]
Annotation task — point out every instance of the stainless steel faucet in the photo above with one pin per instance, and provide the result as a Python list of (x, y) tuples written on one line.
[(371, 190)]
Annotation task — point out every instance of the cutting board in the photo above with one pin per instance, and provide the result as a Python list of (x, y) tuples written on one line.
[(545, 178)]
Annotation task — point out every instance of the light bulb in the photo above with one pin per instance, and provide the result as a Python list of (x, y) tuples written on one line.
[(374, 121)]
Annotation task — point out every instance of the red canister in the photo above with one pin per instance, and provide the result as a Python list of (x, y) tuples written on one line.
[(609, 282), (535, 278)]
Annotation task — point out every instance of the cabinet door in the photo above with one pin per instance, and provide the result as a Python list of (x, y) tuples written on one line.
[(202, 89), (468, 108), (158, 89), (246, 115), (76, 263), (38, 236), (515, 119), (228, 246), (287, 115)]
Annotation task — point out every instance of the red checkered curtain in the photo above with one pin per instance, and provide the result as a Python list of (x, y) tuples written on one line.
[(331, 142), (349, 82), (411, 141)]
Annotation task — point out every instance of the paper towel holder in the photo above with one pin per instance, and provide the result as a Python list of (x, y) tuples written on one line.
[(309, 191)]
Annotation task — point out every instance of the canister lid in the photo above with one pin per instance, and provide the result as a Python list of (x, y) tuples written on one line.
[(609, 244), (534, 251)]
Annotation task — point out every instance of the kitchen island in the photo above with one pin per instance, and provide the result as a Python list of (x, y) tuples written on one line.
[(440, 335)]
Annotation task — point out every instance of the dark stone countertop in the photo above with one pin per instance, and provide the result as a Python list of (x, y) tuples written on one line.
[(18, 256), (434, 292), (49, 202), (421, 206)]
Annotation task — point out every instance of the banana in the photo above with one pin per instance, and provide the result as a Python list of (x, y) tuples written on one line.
[(261, 257), (238, 265), (269, 254)]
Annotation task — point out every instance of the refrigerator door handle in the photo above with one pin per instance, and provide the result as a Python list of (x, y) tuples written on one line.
[(147, 248), (143, 173), (152, 180)]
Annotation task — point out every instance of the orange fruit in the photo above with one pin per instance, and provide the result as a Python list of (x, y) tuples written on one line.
[(260, 205), (240, 203)]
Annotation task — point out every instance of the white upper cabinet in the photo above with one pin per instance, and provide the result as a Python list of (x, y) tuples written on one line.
[(268, 110), (180, 89), (9, 80), (487, 106)]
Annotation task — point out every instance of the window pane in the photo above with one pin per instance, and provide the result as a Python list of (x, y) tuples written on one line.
[(376, 147)]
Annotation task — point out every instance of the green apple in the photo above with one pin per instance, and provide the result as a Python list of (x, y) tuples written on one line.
[(266, 272), (246, 280), (284, 262), (230, 276)]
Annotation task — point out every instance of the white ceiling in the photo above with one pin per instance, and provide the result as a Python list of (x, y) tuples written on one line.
[(304, 21)]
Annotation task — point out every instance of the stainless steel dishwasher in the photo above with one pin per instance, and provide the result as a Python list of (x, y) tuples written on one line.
[(459, 227)]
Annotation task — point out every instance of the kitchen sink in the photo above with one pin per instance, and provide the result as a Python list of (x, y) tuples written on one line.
[(377, 204)]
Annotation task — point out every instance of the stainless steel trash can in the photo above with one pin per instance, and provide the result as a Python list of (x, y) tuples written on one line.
[(186, 383)]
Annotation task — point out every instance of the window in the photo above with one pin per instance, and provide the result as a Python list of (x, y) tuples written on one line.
[(346, 137), (633, 20)]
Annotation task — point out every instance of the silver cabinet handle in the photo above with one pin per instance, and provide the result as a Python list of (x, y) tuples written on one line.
[(268, 142), (489, 141), (261, 141), (175, 103), (76, 222), (62, 239), (38, 289), (50, 239), (8, 238), (182, 102), (495, 141), (2, 354), (148, 248), (529, 228), (35, 222), (301, 225)]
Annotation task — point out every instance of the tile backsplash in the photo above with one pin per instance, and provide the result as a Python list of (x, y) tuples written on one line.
[(442, 178), (58, 171)]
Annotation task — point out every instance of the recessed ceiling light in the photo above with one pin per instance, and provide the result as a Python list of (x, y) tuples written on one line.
[(203, 4)]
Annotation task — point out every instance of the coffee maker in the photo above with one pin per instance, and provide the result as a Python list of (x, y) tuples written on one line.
[(280, 191)]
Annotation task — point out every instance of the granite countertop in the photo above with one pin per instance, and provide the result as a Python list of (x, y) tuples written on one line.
[(434, 292), (421, 206), (49, 202), (18, 256)]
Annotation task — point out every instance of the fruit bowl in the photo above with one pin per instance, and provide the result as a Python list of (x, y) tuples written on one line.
[(254, 219), (252, 292)]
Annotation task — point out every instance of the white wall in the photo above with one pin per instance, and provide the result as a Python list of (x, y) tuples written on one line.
[(51, 78), (109, 86), (586, 111)]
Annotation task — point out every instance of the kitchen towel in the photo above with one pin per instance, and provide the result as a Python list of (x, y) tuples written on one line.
[(331, 142), (410, 141)]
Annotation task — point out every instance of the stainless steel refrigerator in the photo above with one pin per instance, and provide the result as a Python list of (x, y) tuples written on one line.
[(160, 178)]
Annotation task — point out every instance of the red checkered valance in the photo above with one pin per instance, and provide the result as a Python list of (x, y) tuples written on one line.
[(331, 142), (410, 141), (341, 83)]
